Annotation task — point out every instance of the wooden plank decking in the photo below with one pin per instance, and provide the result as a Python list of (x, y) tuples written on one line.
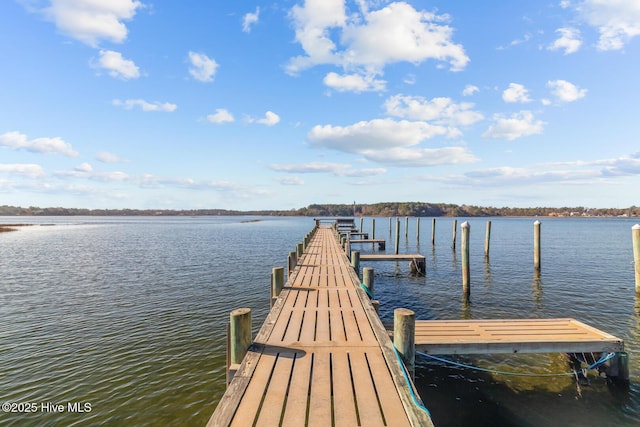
[(322, 357), (512, 336)]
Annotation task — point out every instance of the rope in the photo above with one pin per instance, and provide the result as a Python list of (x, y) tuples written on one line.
[(366, 290), (416, 401), (602, 359)]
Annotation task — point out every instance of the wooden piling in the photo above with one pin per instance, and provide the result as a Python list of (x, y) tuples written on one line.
[(466, 271), (277, 281), (367, 279), (404, 333), (389, 225), (536, 245), (635, 231), (418, 229), (299, 250), (406, 227), (373, 228), (291, 262), (361, 219), (239, 338), (397, 248), (455, 231), (355, 261), (433, 231), (487, 238)]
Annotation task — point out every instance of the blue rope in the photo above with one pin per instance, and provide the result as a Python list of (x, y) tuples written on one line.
[(416, 401), (366, 290), (602, 359)]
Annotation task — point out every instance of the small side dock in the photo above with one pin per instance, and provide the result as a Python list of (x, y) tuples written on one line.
[(512, 336), (322, 356)]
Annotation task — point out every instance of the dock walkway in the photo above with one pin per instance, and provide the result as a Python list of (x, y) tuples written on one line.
[(322, 356)]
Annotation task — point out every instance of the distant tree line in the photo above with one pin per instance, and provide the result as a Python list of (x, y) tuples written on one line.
[(421, 209)]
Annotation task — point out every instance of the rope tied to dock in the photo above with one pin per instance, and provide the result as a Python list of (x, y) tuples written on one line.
[(366, 290), (415, 398), (603, 359)]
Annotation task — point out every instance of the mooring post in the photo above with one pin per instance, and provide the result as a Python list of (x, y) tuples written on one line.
[(367, 280), (355, 261), (291, 262), (299, 250), (404, 336), (418, 229), (397, 235), (239, 338), (361, 219), (466, 271), (487, 238), (455, 232), (389, 226), (433, 231), (373, 228), (635, 231), (406, 227), (277, 282), (536, 245)]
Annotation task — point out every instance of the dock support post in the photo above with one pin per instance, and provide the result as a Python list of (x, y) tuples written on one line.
[(389, 226), (455, 231), (299, 250), (367, 279), (239, 339), (404, 335), (397, 235), (361, 219), (373, 228), (466, 272), (277, 282), (536, 246), (418, 229), (635, 231), (291, 262), (406, 227), (355, 261), (433, 231), (487, 238)]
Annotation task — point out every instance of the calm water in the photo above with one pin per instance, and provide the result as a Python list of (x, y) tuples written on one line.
[(128, 315)]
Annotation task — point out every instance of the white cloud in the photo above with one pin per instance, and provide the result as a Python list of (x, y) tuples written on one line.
[(617, 21), (29, 170), (516, 126), (220, 116), (116, 65), (290, 180), (55, 145), (91, 21), (338, 169), (565, 91), (106, 157), (516, 93), (569, 40), (365, 41), (353, 83), (439, 110), (202, 67), (145, 106), (250, 19), (270, 119), (84, 167), (470, 90), (390, 142)]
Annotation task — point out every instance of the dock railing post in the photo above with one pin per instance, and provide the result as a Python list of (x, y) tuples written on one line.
[(239, 339), (277, 282), (536, 246), (355, 261), (464, 248), (404, 337), (635, 231)]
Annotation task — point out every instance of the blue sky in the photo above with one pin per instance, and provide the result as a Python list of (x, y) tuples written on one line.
[(276, 105)]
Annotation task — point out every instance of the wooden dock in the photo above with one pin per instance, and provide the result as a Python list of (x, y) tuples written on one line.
[(381, 242), (322, 356), (512, 336)]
